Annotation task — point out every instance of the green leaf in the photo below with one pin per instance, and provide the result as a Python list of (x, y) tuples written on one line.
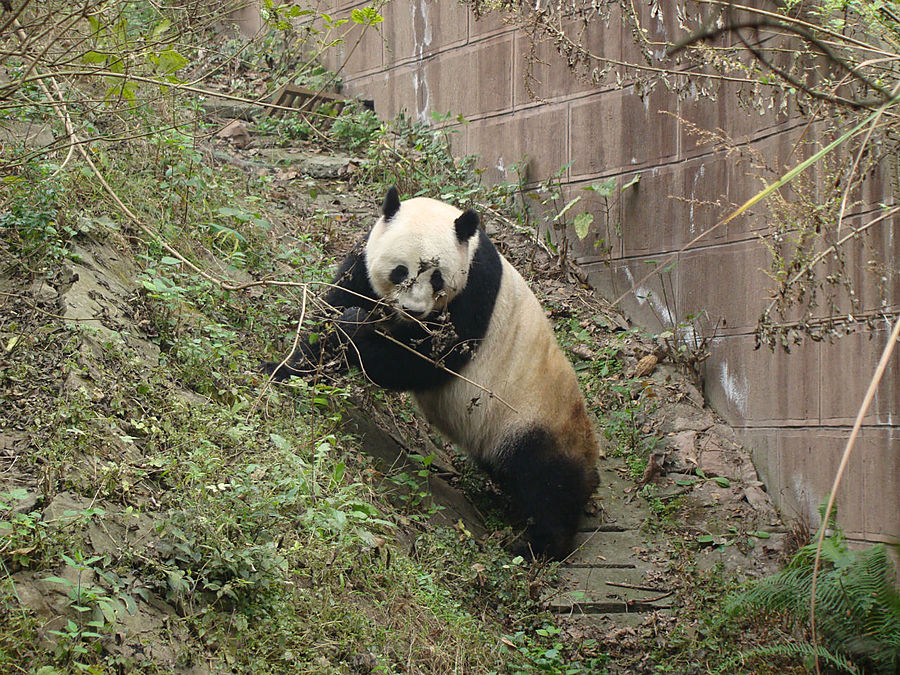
[(108, 610), (582, 224), (760, 534), (338, 472), (130, 604), (58, 580), (122, 89), (367, 16), (605, 189), (566, 208), (170, 61), (721, 481), (668, 268), (280, 442), (93, 57), (160, 28), (226, 232), (16, 493), (237, 214)]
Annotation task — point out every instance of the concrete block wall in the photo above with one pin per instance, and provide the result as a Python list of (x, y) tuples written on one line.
[(794, 410)]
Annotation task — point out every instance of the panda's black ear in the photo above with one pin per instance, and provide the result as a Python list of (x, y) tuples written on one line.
[(391, 203), (466, 225)]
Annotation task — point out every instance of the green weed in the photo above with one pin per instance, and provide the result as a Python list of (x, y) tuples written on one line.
[(419, 161), (355, 129), (545, 652), (32, 224)]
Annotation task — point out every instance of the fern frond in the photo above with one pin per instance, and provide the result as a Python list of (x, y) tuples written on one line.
[(857, 604), (794, 651)]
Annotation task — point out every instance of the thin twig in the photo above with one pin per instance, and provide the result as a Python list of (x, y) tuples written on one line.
[(758, 197), (290, 354), (637, 587), (845, 459), (856, 161), (821, 256), (656, 599), (99, 72), (441, 366), (799, 22), (45, 312)]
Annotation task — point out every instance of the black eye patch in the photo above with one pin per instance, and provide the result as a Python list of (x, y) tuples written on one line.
[(398, 274), (437, 281)]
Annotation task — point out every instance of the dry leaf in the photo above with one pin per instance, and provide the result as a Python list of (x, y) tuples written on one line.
[(646, 365)]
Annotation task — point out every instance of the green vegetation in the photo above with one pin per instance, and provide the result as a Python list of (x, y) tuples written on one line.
[(272, 538), (161, 505), (857, 607), (419, 160), (857, 613), (623, 403), (164, 494)]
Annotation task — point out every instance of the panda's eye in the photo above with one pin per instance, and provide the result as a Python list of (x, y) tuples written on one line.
[(398, 274), (437, 281)]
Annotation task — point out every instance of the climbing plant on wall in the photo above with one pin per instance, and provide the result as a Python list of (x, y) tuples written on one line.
[(829, 66)]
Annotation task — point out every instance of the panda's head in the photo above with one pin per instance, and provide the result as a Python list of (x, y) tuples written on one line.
[(419, 252)]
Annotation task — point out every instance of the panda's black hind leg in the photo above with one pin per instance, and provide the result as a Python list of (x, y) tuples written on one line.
[(548, 489)]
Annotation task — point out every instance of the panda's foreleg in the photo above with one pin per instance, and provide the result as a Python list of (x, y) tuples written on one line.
[(547, 488), (312, 352), (385, 360), (305, 361), (348, 288)]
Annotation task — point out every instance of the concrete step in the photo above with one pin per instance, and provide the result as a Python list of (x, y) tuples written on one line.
[(607, 590), (610, 548)]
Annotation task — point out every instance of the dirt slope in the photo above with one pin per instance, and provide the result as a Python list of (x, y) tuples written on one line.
[(85, 456)]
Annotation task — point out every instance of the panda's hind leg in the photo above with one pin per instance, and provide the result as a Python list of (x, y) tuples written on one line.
[(547, 488)]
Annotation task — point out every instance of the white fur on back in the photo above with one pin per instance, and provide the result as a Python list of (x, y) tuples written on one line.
[(520, 363)]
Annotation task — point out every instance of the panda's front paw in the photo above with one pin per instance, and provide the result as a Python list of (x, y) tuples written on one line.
[(278, 371), (356, 322)]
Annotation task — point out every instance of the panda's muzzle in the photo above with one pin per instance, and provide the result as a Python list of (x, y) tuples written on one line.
[(415, 314)]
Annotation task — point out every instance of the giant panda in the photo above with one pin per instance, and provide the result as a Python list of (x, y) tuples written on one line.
[(427, 304)]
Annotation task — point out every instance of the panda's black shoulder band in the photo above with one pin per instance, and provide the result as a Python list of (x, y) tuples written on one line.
[(466, 224), (391, 203)]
